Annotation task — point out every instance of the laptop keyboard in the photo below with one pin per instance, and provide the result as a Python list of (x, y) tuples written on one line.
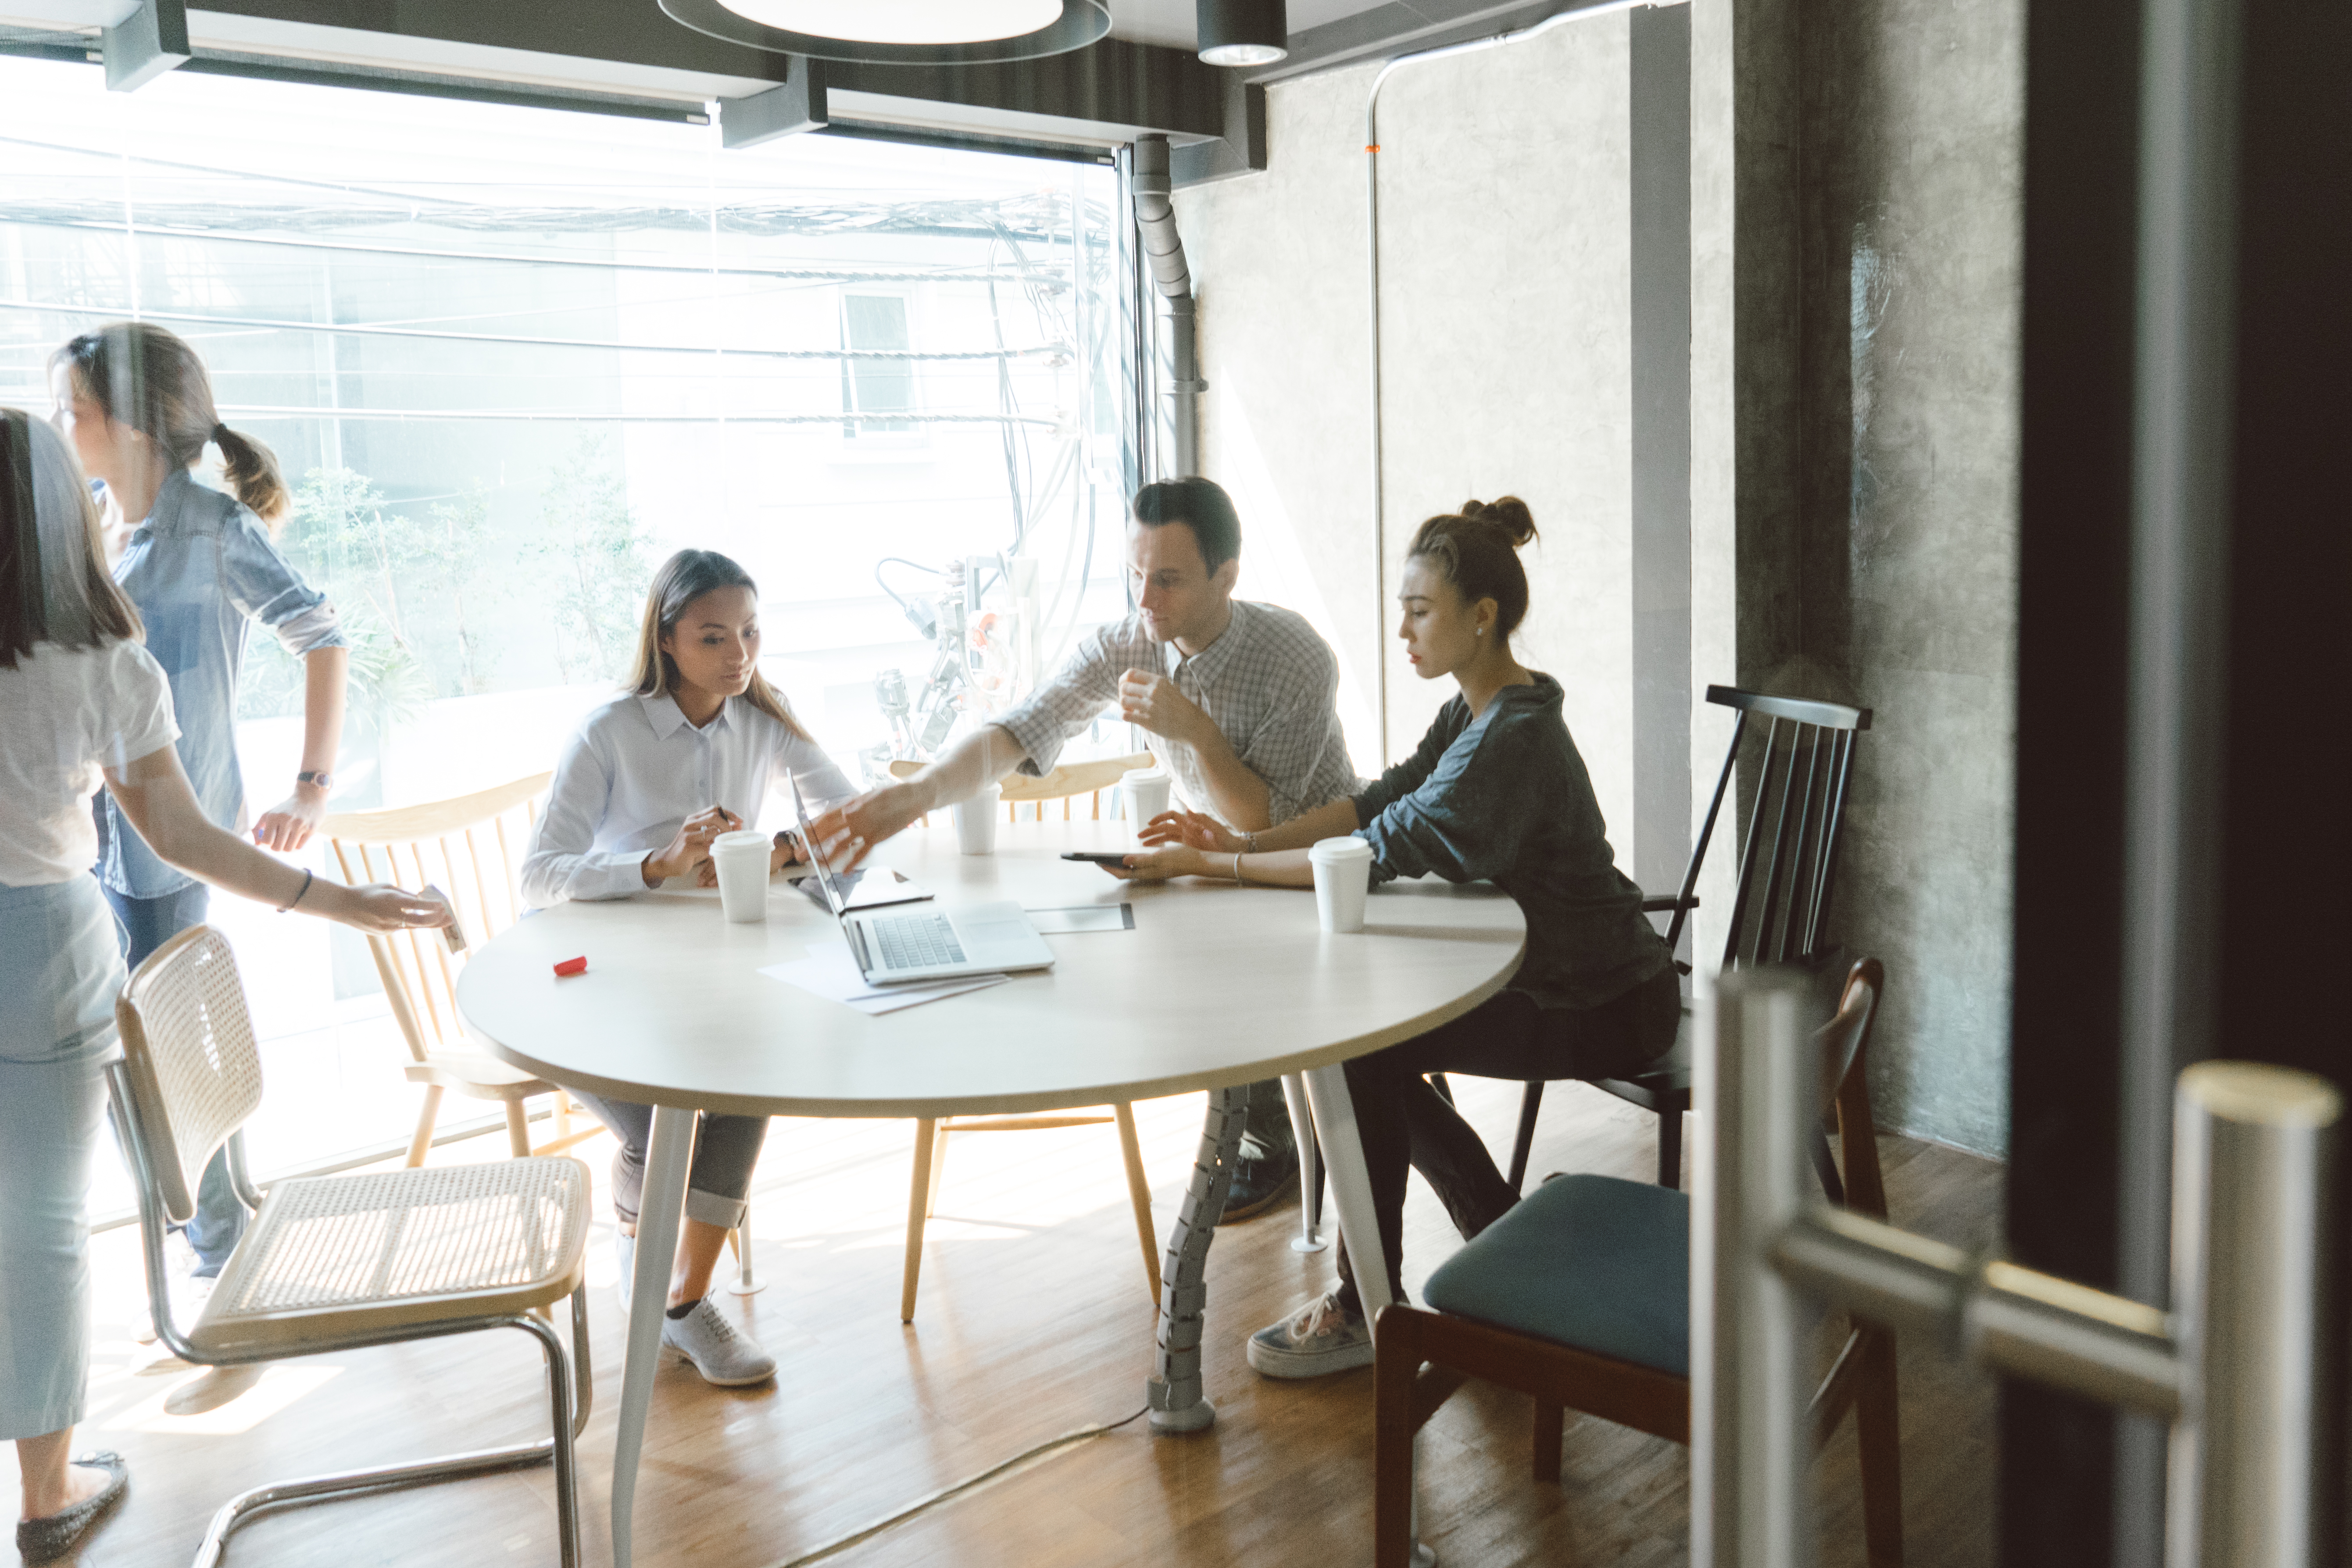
[(915, 941)]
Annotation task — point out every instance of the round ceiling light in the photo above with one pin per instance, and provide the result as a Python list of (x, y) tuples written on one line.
[(900, 32), (1243, 32)]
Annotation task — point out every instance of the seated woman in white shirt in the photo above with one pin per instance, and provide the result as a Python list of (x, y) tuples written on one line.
[(686, 753)]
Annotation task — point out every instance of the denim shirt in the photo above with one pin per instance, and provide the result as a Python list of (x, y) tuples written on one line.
[(1504, 797), (200, 569)]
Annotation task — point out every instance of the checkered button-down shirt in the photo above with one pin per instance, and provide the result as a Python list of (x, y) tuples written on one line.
[(1268, 683)]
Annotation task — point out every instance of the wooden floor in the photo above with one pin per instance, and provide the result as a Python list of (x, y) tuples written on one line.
[(1033, 1321)]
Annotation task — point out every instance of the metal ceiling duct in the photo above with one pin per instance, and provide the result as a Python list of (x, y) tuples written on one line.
[(899, 32), (1155, 221)]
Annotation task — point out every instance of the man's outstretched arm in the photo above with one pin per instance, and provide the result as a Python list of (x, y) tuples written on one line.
[(848, 833)]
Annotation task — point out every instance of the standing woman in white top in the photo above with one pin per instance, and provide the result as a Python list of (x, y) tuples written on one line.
[(81, 700), (687, 752)]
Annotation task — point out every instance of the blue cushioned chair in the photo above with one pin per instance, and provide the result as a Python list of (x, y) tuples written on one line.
[(1581, 1296)]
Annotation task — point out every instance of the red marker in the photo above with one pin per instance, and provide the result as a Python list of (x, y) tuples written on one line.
[(573, 967)]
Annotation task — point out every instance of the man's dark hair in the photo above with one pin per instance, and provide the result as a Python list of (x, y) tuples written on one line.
[(1201, 504)]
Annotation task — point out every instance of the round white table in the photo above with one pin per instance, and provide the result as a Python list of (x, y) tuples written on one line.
[(1215, 988)]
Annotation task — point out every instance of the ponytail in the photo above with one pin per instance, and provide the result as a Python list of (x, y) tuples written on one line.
[(251, 469)]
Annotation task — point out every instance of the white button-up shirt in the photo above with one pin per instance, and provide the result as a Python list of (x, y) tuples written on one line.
[(635, 770)]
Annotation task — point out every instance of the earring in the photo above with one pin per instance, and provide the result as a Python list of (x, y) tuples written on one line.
[(1482, 631)]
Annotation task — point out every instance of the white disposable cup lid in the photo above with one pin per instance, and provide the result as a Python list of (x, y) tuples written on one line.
[(1346, 849), (1143, 775), (738, 841)]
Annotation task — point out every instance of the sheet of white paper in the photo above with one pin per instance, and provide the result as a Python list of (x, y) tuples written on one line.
[(1083, 917), (829, 972)]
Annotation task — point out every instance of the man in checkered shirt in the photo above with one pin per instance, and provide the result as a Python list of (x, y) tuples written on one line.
[(1240, 698)]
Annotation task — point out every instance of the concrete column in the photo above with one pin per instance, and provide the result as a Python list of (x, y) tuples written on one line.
[(1746, 264), (1659, 117)]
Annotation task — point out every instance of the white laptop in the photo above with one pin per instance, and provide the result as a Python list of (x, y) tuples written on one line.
[(897, 947)]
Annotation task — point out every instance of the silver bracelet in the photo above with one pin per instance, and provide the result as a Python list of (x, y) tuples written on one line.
[(1237, 869)]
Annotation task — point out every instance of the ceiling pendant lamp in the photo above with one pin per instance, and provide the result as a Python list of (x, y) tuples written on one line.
[(1244, 31), (902, 32)]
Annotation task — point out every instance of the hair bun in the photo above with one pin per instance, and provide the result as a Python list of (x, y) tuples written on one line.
[(1508, 513)]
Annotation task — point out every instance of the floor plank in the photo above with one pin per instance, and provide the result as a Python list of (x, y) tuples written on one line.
[(1032, 1321)]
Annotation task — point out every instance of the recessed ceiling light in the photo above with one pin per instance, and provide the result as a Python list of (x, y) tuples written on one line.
[(1243, 32), (900, 32)]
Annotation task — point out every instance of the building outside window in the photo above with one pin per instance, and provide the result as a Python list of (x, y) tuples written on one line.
[(510, 358)]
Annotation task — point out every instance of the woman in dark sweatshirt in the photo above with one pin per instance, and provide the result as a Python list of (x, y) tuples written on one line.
[(1497, 792)]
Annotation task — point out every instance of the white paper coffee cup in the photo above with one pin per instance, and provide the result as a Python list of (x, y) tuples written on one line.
[(1343, 879), (975, 820), (1145, 793), (741, 857)]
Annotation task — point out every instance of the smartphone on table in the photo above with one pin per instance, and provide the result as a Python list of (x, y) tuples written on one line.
[(1098, 856)]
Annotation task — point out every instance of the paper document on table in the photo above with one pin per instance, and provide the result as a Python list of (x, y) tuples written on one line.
[(829, 972), (1083, 917)]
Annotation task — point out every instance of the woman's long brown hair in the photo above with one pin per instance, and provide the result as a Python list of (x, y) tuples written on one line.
[(54, 585), (682, 579)]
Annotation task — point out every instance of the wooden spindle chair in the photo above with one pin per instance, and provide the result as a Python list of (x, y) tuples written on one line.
[(471, 847), (1064, 784), (1779, 910)]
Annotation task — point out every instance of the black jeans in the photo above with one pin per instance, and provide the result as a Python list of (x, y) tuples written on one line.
[(1406, 1125), (725, 1148)]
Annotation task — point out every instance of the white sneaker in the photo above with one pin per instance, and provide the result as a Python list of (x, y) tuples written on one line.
[(624, 1247), (719, 1351), (1320, 1339)]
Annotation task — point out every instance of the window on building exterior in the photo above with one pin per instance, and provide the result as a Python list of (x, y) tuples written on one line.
[(510, 358)]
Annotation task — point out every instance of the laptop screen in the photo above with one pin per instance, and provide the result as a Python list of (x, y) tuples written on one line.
[(817, 868)]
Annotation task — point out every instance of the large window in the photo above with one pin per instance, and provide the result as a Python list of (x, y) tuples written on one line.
[(510, 358)]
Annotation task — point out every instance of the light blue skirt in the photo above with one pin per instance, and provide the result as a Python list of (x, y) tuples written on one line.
[(60, 972)]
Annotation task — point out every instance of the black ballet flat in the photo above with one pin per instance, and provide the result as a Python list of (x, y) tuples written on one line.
[(48, 1538)]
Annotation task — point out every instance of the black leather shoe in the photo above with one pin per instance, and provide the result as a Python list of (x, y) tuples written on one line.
[(1261, 1176), (48, 1538)]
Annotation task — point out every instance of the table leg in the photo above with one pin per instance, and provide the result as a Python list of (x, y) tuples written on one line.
[(1311, 1176), (1173, 1391), (1352, 1186), (659, 1207)]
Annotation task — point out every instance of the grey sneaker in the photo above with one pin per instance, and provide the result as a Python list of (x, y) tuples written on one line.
[(625, 1247), (1316, 1341), (723, 1353)]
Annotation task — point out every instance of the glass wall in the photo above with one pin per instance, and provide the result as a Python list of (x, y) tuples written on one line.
[(511, 358)]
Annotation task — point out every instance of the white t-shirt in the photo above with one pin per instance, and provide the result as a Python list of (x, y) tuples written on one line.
[(66, 713)]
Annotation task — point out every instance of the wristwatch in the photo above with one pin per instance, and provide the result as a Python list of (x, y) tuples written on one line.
[(324, 781)]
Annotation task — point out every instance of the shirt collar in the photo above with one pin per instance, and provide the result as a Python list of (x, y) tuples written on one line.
[(667, 717), (1206, 662)]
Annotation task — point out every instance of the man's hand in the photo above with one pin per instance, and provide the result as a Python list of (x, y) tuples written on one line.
[(1196, 829), (690, 845), (1155, 702), (290, 824), (848, 833)]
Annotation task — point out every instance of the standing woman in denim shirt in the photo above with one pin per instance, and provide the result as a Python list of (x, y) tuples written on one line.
[(200, 568)]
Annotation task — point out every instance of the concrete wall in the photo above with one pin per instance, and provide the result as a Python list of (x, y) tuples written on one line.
[(1911, 209), (1855, 214), (1506, 322)]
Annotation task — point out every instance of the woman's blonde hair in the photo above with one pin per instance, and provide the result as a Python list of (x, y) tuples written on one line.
[(54, 585), (149, 378), (682, 579)]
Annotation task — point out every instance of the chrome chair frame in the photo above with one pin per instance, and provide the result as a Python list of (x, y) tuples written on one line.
[(569, 1382)]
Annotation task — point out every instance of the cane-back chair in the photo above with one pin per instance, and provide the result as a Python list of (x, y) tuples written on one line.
[(334, 1263)]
